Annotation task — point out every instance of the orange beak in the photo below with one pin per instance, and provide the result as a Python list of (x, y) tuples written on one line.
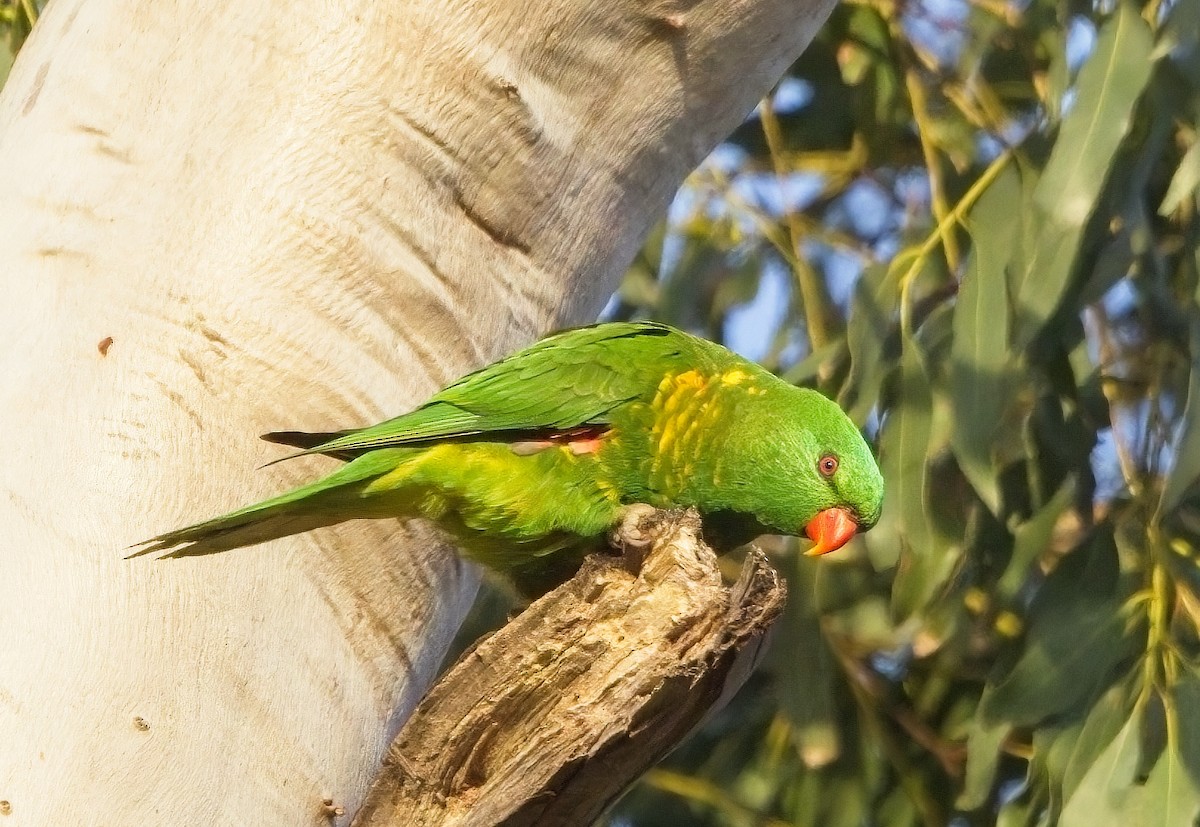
[(830, 530)]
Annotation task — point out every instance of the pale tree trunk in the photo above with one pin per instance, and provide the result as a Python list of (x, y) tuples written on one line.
[(289, 215)]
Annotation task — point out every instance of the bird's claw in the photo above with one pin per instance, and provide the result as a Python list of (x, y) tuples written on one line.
[(635, 529)]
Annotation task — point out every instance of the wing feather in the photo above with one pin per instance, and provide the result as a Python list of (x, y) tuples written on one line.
[(573, 378)]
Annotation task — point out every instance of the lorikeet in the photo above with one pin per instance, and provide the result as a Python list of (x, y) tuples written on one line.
[(529, 462)]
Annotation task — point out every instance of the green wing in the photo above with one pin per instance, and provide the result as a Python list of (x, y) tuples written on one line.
[(572, 378)]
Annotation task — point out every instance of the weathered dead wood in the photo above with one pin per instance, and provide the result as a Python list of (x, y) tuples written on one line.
[(547, 721)]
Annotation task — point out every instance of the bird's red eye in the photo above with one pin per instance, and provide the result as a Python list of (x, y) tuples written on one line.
[(828, 465)]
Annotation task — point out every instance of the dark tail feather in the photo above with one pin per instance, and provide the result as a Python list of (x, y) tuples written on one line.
[(307, 441), (189, 543), (302, 439)]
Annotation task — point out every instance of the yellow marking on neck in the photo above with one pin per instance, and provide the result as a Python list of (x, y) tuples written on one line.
[(670, 429), (734, 376), (671, 414), (690, 379), (711, 414), (675, 387)]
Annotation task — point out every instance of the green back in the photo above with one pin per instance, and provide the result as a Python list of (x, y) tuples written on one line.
[(573, 378)]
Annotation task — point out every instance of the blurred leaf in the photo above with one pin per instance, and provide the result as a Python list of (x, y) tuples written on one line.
[(1180, 38), (1110, 84), (868, 57), (1054, 41), (983, 757), (980, 360), (1075, 637), (955, 137), (1184, 182), (1170, 798), (713, 274), (1019, 813), (896, 810), (805, 685), (17, 18), (1100, 797), (650, 256), (1031, 539), (904, 450), (1117, 256), (808, 370), (867, 30), (1103, 723), (1186, 468), (854, 62), (737, 286), (872, 314), (1053, 746), (7, 55), (1026, 241), (828, 800), (1183, 563), (640, 286), (1185, 699)]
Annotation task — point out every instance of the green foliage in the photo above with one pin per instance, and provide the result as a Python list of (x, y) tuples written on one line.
[(1018, 641), (16, 22)]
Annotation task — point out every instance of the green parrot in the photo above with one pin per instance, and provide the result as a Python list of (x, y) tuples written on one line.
[(529, 462)]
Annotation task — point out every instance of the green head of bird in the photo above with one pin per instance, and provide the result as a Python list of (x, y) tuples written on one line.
[(805, 469)]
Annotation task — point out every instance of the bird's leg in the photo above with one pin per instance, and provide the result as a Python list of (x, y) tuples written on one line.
[(634, 534), (640, 527), (635, 530)]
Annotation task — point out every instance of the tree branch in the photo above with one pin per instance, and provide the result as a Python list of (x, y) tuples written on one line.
[(551, 718)]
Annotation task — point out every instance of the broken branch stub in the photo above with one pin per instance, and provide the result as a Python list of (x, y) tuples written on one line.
[(550, 719)]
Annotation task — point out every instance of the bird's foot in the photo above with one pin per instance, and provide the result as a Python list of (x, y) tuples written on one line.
[(636, 529)]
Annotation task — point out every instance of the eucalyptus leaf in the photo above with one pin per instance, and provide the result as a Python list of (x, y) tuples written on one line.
[(980, 360), (1110, 84), (904, 448), (806, 683), (1186, 468), (7, 55), (1053, 746), (871, 324), (983, 756), (1054, 42), (1104, 722), (808, 370), (847, 805), (1171, 798), (1101, 794), (1075, 637), (1184, 182), (1032, 538), (1179, 38), (1185, 701), (1019, 813)]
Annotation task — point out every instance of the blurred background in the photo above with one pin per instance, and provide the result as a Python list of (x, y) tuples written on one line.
[(973, 223)]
